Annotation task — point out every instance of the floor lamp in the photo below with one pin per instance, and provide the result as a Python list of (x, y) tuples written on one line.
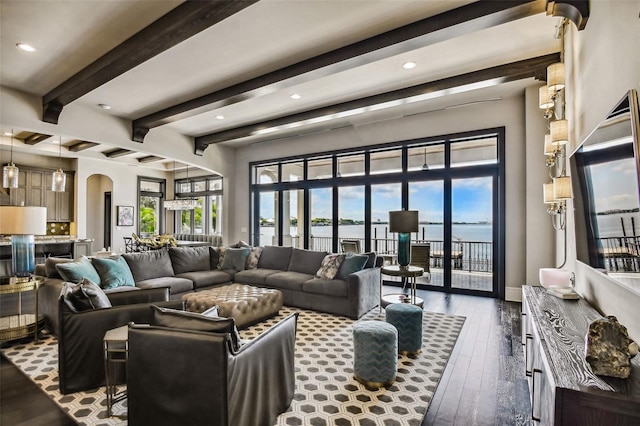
[(404, 222), (22, 223)]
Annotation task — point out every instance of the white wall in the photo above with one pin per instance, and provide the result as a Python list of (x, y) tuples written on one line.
[(509, 113), (604, 63), (97, 185)]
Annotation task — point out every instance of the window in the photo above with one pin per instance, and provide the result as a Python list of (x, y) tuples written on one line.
[(205, 218), (151, 194), (454, 181)]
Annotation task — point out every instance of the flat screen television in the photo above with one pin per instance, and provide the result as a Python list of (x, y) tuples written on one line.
[(606, 187)]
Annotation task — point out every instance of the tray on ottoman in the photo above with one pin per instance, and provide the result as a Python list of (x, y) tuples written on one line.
[(246, 304)]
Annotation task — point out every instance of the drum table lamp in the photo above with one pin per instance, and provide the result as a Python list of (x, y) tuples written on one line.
[(404, 222), (22, 223)]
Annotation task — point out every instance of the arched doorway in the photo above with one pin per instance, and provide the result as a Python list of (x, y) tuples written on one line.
[(99, 211)]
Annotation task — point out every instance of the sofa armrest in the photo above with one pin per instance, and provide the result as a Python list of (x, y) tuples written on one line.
[(40, 270), (261, 375), (364, 291), (143, 295)]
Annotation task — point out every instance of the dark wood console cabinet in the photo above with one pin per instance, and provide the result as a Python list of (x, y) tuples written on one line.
[(562, 388)]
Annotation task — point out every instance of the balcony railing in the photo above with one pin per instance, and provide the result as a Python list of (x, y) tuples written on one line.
[(621, 254), (471, 256)]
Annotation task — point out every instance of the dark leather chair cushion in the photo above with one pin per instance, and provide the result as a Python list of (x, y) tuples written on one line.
[(85, 296), (172, 318)]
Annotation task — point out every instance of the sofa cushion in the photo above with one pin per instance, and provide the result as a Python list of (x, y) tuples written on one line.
[(275, 257), (214, 257), (254, 276), (202, 279), (114, 272), (330, 266), (287, 280), (50, 266), (77, 270), (352, 263), (235, 258), (253, 258), (371, 259), (85, 296), (176, 285), (184, 320), (189, 259), (306, 261), (149, 264), (334, 288)]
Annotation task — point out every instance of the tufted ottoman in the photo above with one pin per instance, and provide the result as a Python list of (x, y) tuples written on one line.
[(247, 305), (375, 347), (407, 318)]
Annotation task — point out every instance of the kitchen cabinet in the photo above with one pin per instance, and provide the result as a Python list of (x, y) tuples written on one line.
[(562, 387), (34, 189)]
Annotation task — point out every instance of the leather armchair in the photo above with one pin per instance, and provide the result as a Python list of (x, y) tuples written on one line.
[(80, 335), (176, 376)]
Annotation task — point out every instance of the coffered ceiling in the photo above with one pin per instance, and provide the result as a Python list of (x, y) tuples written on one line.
[(225, 71)]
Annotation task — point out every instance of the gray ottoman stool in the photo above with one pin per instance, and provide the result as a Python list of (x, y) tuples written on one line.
[(407, 318), (375, 361)]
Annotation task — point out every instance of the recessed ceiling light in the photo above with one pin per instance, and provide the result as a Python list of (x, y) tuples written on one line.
[(104, 106), (295, 96), (409, 65), (219, 117), (7, 134), (26, 47)]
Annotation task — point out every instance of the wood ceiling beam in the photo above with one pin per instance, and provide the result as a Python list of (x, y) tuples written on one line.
[(81, 146), (453, 23), (115, 153), (528, 68), (149, 159), (181, 23), (36, 138)]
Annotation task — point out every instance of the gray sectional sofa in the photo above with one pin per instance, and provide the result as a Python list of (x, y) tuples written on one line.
[(188, 269)]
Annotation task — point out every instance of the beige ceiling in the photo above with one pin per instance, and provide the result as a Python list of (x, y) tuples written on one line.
[(264, 37)]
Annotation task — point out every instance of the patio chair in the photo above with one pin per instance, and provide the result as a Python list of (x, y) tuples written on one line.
[(350, 246), (421, 256)]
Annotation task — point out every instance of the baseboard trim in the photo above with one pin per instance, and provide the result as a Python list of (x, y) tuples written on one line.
[(513, 294)]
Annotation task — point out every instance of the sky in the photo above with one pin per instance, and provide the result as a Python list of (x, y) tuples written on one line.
[(471, 201)]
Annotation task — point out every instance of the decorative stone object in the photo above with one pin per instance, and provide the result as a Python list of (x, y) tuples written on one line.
[(607, 350)]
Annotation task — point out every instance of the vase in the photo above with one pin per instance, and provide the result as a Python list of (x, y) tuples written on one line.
[(404, 249)]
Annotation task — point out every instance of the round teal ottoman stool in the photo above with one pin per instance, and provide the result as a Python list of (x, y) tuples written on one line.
[(375, 345), (407, 318)]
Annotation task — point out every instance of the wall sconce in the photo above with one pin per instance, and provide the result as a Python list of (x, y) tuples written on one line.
[(555, 159), (559, 132), (555, 195), (545, 101), (10, 172), (555, 77)]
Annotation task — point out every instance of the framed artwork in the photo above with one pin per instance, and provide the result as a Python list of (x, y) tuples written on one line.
[(125, 215)]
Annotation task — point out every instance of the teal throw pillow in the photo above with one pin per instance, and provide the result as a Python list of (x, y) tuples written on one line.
[(76, 271), (114, 272), (235, 258), (351, 263)]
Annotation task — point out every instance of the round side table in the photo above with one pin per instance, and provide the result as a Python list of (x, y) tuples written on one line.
[(408, 272)]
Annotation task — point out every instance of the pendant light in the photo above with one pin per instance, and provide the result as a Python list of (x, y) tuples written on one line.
[(59, 181), (10, 172), (425, 166)]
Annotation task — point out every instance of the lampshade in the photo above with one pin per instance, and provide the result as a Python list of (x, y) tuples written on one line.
[(547, 191), (559, 132), (59, 181), (18, 220), (404, 221), (562, 188), (549, 149), (544, 98), (555, 77), (10, 176)]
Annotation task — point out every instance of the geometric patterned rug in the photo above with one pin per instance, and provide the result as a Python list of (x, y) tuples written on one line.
[(326, 392)]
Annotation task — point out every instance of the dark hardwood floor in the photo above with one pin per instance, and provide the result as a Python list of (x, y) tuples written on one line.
[(483, 383)]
